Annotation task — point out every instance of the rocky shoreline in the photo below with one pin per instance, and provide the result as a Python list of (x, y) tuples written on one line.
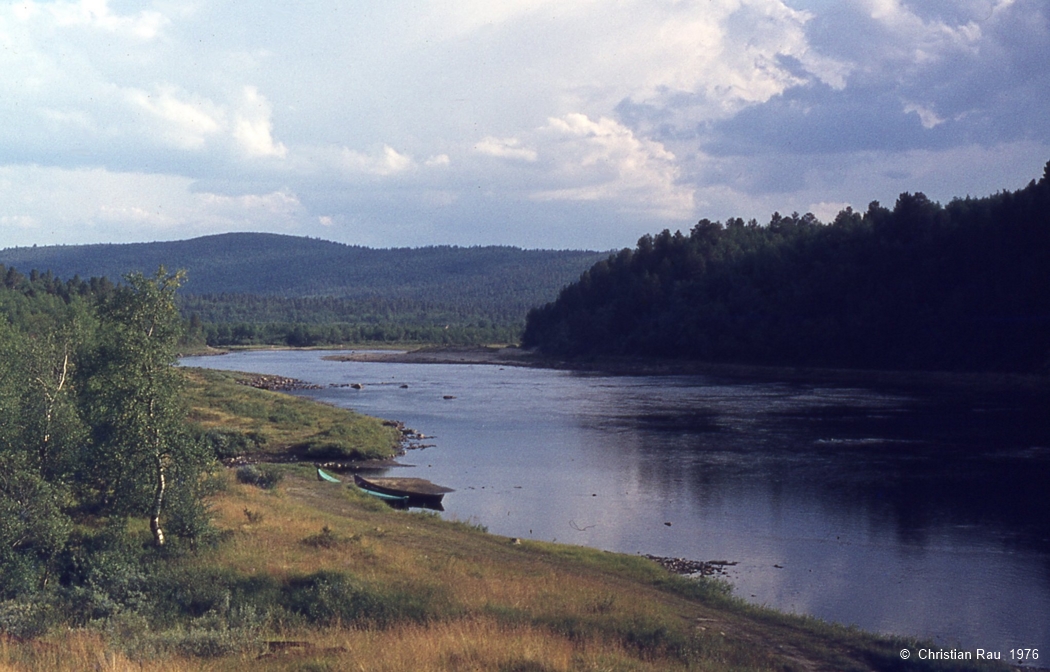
[(687, 567), (277, 383)]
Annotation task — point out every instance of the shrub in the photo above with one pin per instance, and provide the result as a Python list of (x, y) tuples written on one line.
[(106, 573), (326, 538), (230, 442), (27, 618), (265, 477), (328, 597)]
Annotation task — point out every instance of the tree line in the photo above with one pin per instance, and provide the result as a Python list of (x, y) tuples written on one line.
[(251, 319), (922, 286), (254, 288)]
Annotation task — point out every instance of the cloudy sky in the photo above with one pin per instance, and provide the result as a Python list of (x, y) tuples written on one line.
[(539, 123)]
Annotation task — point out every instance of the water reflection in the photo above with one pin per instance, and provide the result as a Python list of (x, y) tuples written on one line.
[(892, 509)]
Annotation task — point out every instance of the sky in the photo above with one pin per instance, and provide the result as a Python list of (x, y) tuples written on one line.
[(535, 123)]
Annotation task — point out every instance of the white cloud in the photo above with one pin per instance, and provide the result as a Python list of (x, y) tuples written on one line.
[(910, 41), (520, 111), (96, 14), (18, 222), (189, 122), (252, 127), (720, 55), (281, 204), (927, 116), (826, 212), (454, 19), (386, 162), (505, 148), (186, 122), (89, 205), (73, 118), (604, 161)]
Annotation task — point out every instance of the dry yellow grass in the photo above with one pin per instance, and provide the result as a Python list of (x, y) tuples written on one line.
[(77, 651), (492, 604)]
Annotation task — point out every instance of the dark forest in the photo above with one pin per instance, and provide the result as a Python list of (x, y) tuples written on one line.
[(964, 286)]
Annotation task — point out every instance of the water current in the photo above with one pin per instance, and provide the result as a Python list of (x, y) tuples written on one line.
[(899, 511)]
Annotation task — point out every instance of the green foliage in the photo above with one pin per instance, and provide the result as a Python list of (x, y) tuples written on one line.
[(326, 538), (424, 327), (28, 617), (106, 572), (230, 442), (331, 598), (262, 476), (141, 452), (33, 527), (252, 288), (92, 430), (960, 287)]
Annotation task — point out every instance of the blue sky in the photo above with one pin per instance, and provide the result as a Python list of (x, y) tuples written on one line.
[(538, 123)]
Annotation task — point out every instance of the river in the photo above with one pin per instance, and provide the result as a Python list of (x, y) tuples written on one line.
[(899, 511)]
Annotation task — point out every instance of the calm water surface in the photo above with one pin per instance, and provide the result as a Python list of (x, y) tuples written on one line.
[(893, 511)]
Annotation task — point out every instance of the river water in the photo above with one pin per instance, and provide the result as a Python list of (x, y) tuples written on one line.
[(898, 511)]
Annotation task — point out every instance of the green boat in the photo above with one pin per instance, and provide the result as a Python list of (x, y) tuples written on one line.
[(325, 476), (394, 500)]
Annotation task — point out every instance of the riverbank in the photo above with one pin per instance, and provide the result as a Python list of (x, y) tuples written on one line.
[(625, 366), (313, 575), (248, 417), (628, 622)]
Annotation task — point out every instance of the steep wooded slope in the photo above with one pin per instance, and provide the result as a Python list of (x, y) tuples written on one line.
[(923, 286)]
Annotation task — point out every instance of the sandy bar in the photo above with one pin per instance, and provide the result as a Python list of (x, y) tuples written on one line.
[(511, 356)]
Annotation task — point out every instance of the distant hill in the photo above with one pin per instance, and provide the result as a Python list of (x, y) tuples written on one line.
[(253, 287), (291, 266)]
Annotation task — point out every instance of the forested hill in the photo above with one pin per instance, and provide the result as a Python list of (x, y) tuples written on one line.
[(289, 266), (922, 286), (251, 288)]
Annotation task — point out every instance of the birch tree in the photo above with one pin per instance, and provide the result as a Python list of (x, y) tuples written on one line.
[(136, 412)]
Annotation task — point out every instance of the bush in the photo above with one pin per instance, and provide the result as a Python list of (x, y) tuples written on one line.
[(326, 538), (106, 573), (25, 619), (225, 443), (265, 477), (328, 598), (33, 527)]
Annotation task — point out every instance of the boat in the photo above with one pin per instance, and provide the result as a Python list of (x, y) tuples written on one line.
[(323, 475), (416, 491), (396, 501)]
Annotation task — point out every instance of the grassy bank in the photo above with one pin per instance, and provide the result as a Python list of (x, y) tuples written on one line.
[(316, 576), (245, 421)]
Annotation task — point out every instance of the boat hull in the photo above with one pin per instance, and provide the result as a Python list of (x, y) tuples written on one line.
[(415, 491), (326, 477)]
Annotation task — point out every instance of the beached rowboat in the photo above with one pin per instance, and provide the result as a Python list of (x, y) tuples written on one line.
[(325, 476), (415, 490)]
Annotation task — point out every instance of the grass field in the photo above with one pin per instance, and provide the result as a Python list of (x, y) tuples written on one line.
[(248, 421), (317, 576)]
